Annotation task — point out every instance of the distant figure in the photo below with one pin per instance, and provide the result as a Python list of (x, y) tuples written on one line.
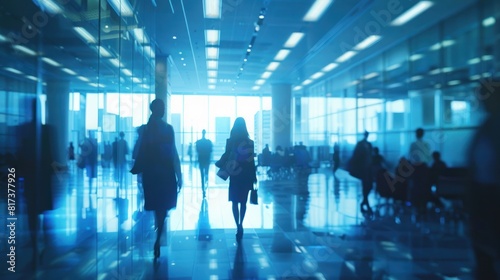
[(120, 152), (378, 162), (360, 167), (336, 157), (420, 150), (204, 150), (71, 151), (484, 190), (190, 153), (437, 167), (266, 156), (88, 149), (240, 165), (161, 170)]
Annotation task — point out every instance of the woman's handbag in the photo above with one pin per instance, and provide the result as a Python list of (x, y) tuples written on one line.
[(254, 197), (223, 174), (80, 162)]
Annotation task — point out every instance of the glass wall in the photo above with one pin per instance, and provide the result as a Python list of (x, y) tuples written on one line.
[(428, 80)]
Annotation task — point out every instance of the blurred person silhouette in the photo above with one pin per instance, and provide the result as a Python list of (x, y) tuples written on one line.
[(378, 162), (238, 160), (336, 157), (204, 150), (437, 167), (36, 170), (159, 163), (71, 152), (484, 188), (420, 150), (88, 149), (190, 153), (120, 152), (360, 166)]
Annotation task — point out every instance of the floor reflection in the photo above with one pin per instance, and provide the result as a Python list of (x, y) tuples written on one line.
[(308, 227)]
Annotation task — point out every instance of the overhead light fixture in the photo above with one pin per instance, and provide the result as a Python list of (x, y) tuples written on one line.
[(103, 51), (447, 43), (122, 7), (416, 78), (447, 69), (488, 21), (475, 77), (435, 71), (297, 87), (317, 75), (346, 56), (412, 12), (127, 72), (24, 49), (212, 52), (370, 40), (487, 57), (370, 75), (474, 60), (116, 62), (393, 67), (212, 37), (211, 86), (149, 50), (329, 67), (255, 87), (136, 80), (140, 36), (260, 82), (272, 66), (212, 64), (146, 86), (212, 8), (212, 74), (50, 61), (306, 82), (394, 85), (281, 55), (85, 34), (293, 40), (83, 78), (454, 82), (49, 6), (32, 77), (96, 85), (13, 70), (3, 38), (212, 81), (266, 75), (416, 56), (317, 9), (69, 71)]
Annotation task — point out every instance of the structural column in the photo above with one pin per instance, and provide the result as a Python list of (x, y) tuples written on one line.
[(281, 119), (162, 82), (57, 116)]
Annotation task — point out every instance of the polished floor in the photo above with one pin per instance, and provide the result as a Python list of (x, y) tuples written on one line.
[(301, 229)]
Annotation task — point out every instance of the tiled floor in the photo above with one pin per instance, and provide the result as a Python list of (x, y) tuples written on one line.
[(298, 231)]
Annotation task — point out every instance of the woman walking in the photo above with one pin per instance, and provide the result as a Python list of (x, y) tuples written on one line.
[(159, 164), (238, 160)]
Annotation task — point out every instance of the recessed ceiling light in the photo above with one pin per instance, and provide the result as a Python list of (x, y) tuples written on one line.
[(212, 8), (174, 37), (346, 56), (272, 66), (317, 9), (329, 67), (293, 40), (414, 11), (282, 54)]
